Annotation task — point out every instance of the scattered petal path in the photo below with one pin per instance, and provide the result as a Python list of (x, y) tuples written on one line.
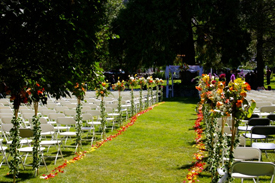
[(81, 155)]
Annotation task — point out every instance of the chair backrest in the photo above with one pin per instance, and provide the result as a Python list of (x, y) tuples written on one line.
[(258, 121), (25, 132), (6, 115), (94, 112), (247, 153), (6, 120), (263, 130), (66, 120), (60, 108), (6, 127), (6, 111), (27, 116), (47, 112), (43, 120), (46, 128), (253, 168), (54, 116), (87, 117), (267, 108), (70, 112)]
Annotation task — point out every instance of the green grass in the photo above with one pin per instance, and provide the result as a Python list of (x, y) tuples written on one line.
[(272, 82), (158, 148)]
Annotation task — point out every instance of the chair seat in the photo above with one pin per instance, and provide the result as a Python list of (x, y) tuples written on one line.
[(29, 149), (87, 128), (46, 133), (94, 123), (244, 128), (239, 175), (49, 142), (61, 128), (68, 133), (264, 146), (113, 114), (254, 136)]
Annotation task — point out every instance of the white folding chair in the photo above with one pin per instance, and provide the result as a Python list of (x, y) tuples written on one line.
[(252, 169), (28, 133), (67, 121), (3, 151), (49, 129)]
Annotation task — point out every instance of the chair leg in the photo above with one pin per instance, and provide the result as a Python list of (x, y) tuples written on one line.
[(42, 157)]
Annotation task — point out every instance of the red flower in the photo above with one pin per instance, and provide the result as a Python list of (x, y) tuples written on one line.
[(239, 103)]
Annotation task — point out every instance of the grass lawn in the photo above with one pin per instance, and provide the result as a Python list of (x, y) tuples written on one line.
[(158, 148)]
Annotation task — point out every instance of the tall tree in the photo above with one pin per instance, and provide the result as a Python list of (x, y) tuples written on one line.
[(220, 37), (259, 17), (151, 33)]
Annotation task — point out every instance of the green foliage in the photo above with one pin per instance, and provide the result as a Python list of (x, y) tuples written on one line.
[(14, 132), (36, 142), (78, 119), (151, 33), (103, 116)]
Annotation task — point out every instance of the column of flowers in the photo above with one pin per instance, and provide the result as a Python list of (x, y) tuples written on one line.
[(150, 83), (132, 82), (101, 91), (79, 92), (17, 98), (119, 86), (217, 101), (141, 82), (36, 93), (158, 82)]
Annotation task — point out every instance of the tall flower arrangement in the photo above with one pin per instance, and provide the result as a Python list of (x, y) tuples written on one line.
[(158, 82), (36, 93), (18, 98), (102, 91), (132, 82), (217, 101), (119, 86), (141, 82), (79, 91), (150, 83)]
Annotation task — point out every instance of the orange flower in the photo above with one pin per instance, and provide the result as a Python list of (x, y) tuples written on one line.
[(102, 92), (39, 92), (219, 104), (248, 87), (28, 91), (243, 93), (77, 85), (239, 103), (231, 88), (103, 84), (37, 85), (199, 88)]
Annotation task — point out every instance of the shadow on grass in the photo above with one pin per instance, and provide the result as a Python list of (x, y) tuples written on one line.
[(188, 166), (27, 174)]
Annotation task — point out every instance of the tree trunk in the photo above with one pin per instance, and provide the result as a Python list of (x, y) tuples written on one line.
[(260, 41)]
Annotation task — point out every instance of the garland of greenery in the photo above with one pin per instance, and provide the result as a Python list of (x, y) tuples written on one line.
[(148, 96), (132, 102), (78, 127), (14, 163), (157, 94), (36, 143), (140, 99), (119, 109), (103, 117)]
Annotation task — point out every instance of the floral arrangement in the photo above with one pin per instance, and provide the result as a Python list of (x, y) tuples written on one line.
[(150, 80), (101, 90), (141, 82), (220, 101), (158, 82), (79, 90), (132, 82), (119, 86)]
